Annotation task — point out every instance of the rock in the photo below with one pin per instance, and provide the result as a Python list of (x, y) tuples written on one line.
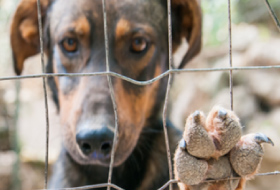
[(268, 124), (7, 159), (240, 38), (265, 85), (264, 53)]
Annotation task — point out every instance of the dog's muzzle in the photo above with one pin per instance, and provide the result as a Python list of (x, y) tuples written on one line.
[(95, 143)]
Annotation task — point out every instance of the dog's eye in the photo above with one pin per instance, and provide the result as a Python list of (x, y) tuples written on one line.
[(138, 45), (70, 44)]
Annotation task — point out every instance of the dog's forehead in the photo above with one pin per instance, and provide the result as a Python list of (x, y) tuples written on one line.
[(64, 12), (140, 10)]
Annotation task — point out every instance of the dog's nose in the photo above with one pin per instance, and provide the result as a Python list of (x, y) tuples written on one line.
[(95, 143)]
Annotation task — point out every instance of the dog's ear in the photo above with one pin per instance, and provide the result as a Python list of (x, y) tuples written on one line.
[(187, 21), (24, 32)]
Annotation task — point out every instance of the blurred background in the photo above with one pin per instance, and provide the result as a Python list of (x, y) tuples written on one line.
[(256, 42)]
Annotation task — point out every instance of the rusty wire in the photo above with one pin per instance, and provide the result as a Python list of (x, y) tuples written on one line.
[(110, 74), (45, 92)]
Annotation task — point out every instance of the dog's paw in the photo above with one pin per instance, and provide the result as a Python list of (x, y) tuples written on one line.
[(247, 154), (214, 136), (212, 148)]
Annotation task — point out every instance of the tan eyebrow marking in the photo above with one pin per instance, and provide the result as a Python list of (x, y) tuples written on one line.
[(123, 27), (82, 26)]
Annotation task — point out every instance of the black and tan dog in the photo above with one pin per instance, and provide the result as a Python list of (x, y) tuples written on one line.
[(138, 48)]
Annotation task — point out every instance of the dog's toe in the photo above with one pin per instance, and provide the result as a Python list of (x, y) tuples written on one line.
[(189, 170), (198, 141), (246, 156), (224, 127)]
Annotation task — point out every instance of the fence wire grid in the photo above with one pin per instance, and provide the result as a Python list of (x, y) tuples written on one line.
[(168, 73)]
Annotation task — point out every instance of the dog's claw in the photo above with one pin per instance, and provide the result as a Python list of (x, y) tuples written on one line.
[(222, 113), (196, 116), (261, 138), (182, 144)]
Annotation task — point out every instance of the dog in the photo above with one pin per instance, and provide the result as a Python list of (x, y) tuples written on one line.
[(138, 48)]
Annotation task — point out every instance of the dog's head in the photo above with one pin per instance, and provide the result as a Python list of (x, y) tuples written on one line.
[(138, 48)]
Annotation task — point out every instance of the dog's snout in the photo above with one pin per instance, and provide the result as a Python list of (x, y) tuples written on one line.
[(95, 143)]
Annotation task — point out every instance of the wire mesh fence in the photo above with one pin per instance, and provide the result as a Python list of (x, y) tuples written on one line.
[(169, 73)]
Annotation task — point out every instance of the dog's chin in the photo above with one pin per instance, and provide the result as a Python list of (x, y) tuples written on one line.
[(95, 159)]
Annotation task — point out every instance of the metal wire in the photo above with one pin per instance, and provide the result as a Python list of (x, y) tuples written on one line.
[(110, 74), (166, 184), (116, 134), (230, 55), (235, 178), (273, 15), (16, 182), (45, 92), (141, 83), (164, 113), (90, 187)]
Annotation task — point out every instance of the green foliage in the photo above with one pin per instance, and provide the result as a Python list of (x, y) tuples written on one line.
[(215, 25), (215, 15), (255, 11)]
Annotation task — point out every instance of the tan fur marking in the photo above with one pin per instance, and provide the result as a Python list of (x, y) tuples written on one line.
[(82, 26), (216, 187), (133, 109), (24, 31), (241, 184), (132, 114), (123, 27), (71, 103), (28, 30)]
